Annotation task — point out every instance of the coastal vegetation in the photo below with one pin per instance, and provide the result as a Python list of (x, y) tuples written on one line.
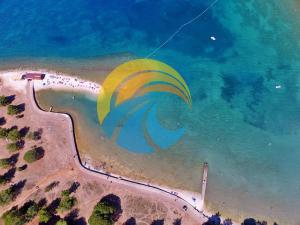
[(67, 202), (15, 146), (13, 110), (6, 196), (3, 133), (102, 214), (106, 211), (4, 100), (44, 215), (61, 222), (13, 134), (4, 163), (33, 155)]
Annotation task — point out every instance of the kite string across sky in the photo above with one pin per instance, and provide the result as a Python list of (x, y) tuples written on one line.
[(181, 27)]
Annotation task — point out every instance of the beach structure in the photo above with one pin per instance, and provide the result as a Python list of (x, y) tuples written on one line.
[(204, 181), (33, 76)]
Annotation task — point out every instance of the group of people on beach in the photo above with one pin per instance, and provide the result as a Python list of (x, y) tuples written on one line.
[(66, 81)]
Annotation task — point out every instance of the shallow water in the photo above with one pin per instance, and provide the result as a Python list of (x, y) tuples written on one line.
[(240, 123)]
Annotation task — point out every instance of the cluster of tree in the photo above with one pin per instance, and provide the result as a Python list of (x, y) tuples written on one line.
[(20, 216), (67, 202), (23, 215), (45, 214), (216, 220), (7, 195), (33, 155), (11, 134)]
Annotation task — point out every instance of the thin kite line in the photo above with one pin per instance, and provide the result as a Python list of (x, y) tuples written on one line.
[(181, 27)]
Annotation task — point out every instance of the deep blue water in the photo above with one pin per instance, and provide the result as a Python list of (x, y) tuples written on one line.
[(245, 127)]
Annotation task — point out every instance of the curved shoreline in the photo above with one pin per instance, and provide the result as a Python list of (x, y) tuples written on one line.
[(106, 176)]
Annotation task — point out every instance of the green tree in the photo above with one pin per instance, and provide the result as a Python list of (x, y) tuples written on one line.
[(4, 163), (13, 217), (6, 196), (32, 155), (13, 110), (44, 215), (32, 211), (67, 202), (102, 214), (61, 222), (12, 147), (65, 193), (3, 100), (14, 135), (3, 133)]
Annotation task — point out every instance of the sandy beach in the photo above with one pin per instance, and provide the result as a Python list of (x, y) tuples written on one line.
[(52, 80)]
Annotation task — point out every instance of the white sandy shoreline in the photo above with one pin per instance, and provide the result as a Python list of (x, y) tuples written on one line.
[(58, 81), (53, 80)]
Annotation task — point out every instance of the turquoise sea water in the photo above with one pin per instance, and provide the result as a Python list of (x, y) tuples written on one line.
[(246, 128)]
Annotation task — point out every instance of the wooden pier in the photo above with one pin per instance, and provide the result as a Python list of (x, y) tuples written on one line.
[(204, 181)]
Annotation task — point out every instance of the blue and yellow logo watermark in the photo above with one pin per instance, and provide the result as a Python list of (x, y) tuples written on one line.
[(126, 112)]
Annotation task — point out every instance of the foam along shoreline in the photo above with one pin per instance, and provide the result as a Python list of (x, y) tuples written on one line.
[(52, 80)]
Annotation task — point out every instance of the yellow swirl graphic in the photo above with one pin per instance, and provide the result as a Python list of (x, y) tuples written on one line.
[(139, 77)]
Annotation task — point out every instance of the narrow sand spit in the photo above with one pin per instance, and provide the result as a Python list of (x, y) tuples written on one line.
[(52, 80)]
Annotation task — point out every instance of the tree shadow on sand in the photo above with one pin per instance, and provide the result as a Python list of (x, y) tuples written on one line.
[(13, 159), (2, 121), (130, 221), (24, 131), (177, 221), (158, 222), (53, 205), (9, 99), (75, 185), (9, 175), (72, 218), (40, 152), (18, 187), (21, 107), (42, 202)]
